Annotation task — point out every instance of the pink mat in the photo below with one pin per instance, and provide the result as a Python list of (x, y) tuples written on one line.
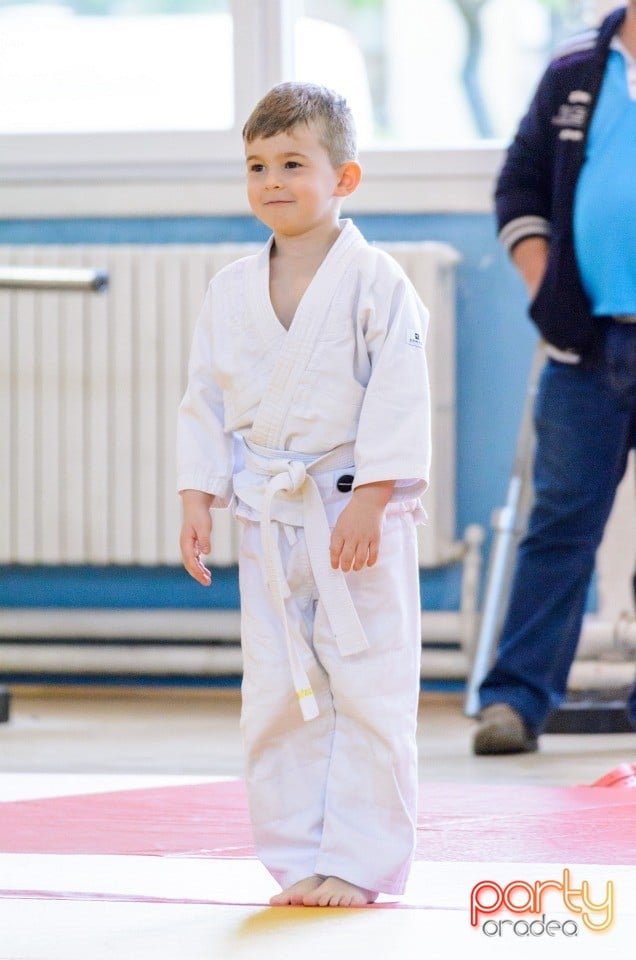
[(529, 824)]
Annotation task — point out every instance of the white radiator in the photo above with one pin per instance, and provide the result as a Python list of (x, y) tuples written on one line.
[(89, 389)]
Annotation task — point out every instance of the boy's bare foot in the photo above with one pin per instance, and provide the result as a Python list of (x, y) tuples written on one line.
[(294, 896), (334, 892)]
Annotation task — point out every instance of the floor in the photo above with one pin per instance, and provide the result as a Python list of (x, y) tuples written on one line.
[(107, 793), (186, 731)]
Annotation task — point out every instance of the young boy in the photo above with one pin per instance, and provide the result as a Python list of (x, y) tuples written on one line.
[(307, 409)]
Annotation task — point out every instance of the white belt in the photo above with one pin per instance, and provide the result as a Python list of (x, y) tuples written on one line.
[(291, 476)]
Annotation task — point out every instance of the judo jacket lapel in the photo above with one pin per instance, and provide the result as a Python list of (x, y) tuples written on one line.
[(299, 342)]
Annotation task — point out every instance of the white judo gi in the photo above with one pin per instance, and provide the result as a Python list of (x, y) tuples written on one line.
[(271, 422)]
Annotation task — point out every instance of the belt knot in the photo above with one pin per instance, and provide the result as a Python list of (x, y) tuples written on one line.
[(297, 475)]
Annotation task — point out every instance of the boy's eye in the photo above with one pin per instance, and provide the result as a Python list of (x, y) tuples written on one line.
[(291, 164), (256, 167)]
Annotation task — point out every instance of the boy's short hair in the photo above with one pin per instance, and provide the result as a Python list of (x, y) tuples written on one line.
[(292, 103)]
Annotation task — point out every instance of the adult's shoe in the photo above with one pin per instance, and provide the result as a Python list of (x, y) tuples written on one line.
[(502, 730)]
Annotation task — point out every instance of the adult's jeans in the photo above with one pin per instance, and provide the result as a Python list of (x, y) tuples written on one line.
[(585, 423)]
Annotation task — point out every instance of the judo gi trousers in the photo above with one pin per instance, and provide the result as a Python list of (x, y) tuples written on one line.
[(335, 795)]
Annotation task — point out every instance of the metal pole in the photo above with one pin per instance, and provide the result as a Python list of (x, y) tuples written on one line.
[(509, 524)]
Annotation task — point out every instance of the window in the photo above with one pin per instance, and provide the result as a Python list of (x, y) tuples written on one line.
[(439, 72), (124, 89), (80, 66)]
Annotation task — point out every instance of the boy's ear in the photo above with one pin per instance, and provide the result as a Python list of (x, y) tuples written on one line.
[(349, 176)]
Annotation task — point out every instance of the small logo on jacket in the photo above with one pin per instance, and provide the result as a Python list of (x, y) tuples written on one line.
[(572, 116), (414, 339)]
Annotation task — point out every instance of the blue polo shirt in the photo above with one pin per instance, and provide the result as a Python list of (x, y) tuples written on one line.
[(605, 202)]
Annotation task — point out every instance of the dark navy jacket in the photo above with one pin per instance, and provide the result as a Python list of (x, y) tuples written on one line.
[(535, 189)]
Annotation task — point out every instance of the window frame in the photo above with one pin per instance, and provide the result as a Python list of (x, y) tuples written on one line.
[(97, 174), (257, 56)]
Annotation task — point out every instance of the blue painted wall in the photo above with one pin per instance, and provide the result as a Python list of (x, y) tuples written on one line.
[(495, 343)]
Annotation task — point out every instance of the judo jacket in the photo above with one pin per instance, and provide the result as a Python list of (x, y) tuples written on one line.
[(536, 186), (349, 375)]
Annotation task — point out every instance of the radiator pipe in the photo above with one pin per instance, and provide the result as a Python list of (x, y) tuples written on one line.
[(66, 279), (167, 659), (158, 628)]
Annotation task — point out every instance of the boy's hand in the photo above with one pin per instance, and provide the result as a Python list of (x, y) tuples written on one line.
[(196, 528), (355, 541)]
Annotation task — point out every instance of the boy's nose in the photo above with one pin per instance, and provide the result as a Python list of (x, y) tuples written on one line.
[(271, 180)]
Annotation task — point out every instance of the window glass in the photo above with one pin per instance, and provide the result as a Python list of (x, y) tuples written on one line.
[(433, 73), (80, 66)]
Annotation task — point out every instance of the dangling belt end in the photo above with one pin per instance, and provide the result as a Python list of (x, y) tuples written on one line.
[(307, 702), (348, 646)]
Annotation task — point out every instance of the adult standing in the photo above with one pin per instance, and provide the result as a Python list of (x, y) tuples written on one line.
[(566, 211)]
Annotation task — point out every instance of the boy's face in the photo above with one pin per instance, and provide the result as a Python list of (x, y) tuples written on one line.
[(291, 184)]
